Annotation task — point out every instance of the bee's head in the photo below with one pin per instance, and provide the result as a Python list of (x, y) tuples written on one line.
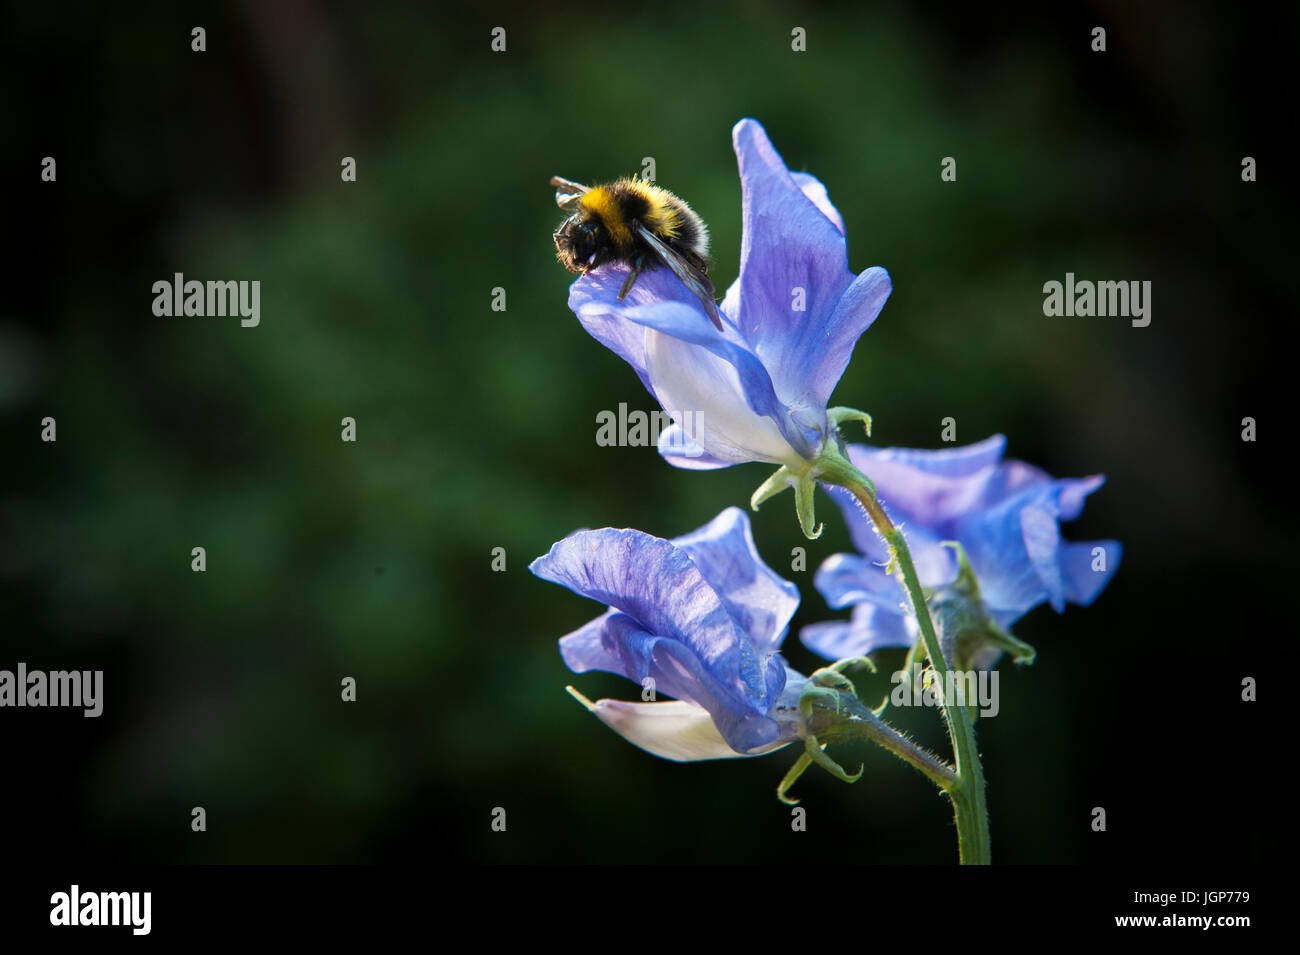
[(577, 241)]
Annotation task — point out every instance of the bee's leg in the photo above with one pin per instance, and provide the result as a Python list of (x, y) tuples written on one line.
[(628, 283), (631, 278)]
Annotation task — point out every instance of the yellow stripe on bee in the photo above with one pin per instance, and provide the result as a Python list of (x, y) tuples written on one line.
[(599, 200), (663, 218)]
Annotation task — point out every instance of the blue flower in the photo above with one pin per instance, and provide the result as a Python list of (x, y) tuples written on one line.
[(758, 389), (700, 615), (1005, 514)]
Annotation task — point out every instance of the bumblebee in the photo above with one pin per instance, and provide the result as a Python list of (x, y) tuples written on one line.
[(637, 223)]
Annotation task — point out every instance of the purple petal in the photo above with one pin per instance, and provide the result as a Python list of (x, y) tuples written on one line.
[(789, 243), (871, 628), (760, 600), (1016, 549), (678, 672), (813, 188), (847, 579), (660, 303), (657, 585), (675, 625), (959, 462), (1006, 514), (1082, 583), (1042, 540), (593, 298), (584, 649), (930, 488), (680, 451), (935, 565), (724, 388)]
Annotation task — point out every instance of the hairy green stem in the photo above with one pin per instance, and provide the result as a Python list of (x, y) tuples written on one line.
[(968, 790), (863, 724)]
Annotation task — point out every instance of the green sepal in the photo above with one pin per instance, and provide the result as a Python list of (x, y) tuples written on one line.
[(967, 626), (1021, 653), (828, 689), (832, 466), (804, 485), (797, 770), (966, 582), (803, 506), (781, 479), (838, 415), (848, 663)]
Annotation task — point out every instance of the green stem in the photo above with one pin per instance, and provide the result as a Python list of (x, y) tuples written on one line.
[(967, 792), (858, 722), (968, 797)]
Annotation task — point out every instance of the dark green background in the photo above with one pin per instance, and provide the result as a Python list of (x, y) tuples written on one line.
[(477, 428)]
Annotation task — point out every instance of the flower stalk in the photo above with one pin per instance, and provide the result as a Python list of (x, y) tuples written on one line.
[(965, 787), (851, 719), (968, 789)]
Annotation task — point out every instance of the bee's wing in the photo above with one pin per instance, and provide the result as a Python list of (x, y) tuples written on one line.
[(691, 277), (567, 192)]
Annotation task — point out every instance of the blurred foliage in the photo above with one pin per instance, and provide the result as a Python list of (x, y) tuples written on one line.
[(476, 428)]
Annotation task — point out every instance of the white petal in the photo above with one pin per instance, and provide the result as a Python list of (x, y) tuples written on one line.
[(673, 729), (703, 394)]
